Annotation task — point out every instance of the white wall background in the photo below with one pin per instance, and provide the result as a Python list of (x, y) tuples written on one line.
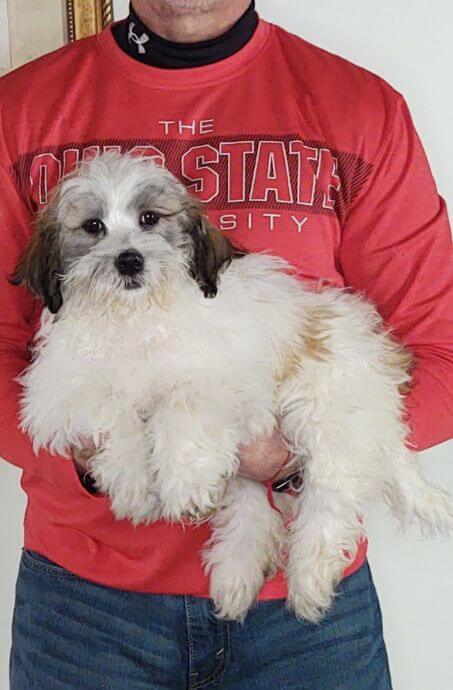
[(408, 42), (5, 54)]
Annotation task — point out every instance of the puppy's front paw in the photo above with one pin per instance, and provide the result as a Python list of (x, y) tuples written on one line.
[(311, 591), (192, 502), (130, 493), (234, 589), (236, 578), (138, 508)]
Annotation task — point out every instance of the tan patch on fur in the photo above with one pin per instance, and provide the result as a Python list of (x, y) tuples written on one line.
[(287, 365), (312, 344), (399, 357), (314, 340), (402, 360), (405, 389), (315, 347)]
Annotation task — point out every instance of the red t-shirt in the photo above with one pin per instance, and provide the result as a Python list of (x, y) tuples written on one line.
[(295, 151)]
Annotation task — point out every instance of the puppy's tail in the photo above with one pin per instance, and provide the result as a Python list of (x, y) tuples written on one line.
[(411, 498)]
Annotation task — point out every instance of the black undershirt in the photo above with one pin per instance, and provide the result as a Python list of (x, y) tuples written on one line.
[(138, 41)]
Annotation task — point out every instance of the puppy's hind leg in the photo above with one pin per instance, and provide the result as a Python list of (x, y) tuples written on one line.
[(326, 527), (243, 549), (322, 542)]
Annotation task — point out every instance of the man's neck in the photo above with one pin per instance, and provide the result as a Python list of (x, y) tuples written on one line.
[(183, 26)]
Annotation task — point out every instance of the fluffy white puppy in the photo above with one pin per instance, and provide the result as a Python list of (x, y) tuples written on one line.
[(133, 355)]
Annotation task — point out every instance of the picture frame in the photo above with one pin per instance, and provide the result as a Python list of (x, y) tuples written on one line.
[(87, 17)]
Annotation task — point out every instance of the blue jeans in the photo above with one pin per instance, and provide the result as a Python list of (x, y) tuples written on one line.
[(69, 633)]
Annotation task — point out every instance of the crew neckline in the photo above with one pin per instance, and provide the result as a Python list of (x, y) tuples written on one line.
[(136, 39), (183, 78)]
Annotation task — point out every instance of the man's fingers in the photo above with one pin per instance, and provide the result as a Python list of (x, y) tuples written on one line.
[(264, 459)]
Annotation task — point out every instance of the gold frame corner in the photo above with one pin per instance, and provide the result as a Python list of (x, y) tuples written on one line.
[(87, 17)]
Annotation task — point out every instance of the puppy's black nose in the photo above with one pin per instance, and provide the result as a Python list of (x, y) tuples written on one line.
[(129, 263)]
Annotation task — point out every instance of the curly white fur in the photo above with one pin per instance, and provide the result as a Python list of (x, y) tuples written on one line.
[(169, 383)]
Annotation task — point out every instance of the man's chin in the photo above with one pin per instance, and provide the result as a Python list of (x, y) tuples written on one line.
[(191, 6)]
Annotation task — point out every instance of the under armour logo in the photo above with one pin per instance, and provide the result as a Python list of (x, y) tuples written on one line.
[(138, 40)]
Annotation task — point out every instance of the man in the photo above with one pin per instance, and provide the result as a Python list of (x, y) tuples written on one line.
[(294, 151)]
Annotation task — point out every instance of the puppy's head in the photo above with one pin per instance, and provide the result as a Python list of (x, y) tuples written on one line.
[(117, 226)]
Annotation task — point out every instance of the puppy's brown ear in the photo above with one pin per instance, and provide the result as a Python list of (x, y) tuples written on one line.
[(211, 251), (40, 269)]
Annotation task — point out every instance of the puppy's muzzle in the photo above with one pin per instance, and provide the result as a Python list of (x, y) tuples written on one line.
[(129, 263)]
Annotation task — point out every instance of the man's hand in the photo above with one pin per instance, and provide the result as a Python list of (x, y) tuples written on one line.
[(264, 458), (260, 460)]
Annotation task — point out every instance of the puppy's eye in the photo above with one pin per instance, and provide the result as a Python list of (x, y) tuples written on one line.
[(148, 218), (94, 226)]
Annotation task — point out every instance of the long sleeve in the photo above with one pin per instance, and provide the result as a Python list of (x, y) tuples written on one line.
[(397, 249), (16, 311)]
